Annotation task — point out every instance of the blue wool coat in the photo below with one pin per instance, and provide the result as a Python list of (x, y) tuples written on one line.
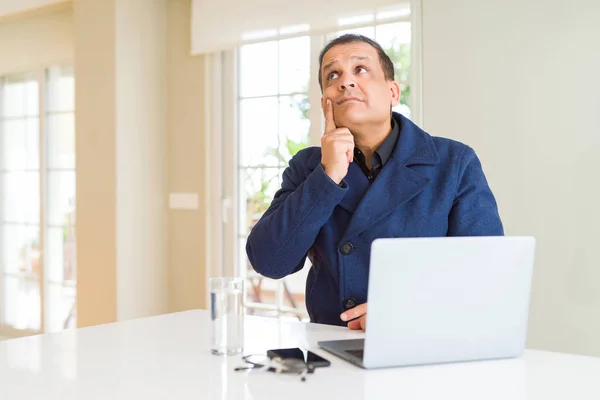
[(430, 187)]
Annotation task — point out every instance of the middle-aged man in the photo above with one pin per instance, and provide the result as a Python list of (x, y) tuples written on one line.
[(376, 175)]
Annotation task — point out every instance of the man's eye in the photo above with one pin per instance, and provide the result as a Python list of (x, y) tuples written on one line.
[(332, 75), (361, 70)]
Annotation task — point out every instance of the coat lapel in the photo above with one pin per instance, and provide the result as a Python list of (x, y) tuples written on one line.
[(396, 183)]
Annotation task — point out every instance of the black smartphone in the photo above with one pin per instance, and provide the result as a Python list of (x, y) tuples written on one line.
[(307, 356)]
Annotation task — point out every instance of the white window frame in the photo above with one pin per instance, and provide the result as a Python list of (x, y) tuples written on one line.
[(40, 76), (222, 136)]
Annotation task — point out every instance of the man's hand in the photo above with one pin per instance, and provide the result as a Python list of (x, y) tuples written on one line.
[(337, 147), (359, 312)]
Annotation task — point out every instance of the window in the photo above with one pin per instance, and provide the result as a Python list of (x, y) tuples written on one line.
[(277, 87), (37, 201), (274, 125), (20, 233), (60, 269)]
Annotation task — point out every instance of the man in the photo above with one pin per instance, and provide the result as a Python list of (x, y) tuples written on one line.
[(375, 175)]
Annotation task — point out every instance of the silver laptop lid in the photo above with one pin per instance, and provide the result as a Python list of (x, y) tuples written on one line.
[(434, 300)]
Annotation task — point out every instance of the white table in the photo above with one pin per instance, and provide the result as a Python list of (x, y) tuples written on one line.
[(168, 357)]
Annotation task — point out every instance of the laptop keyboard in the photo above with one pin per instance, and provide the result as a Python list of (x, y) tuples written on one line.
[(356, 353)]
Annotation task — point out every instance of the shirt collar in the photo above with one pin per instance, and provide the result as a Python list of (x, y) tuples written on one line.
[(386, 148)]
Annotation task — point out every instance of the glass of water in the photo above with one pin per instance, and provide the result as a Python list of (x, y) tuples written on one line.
[(227, 315)]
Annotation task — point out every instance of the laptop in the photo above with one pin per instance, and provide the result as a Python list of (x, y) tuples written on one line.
[(443, 300)]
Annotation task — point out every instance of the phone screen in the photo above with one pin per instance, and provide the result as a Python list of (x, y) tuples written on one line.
[(301, 354)]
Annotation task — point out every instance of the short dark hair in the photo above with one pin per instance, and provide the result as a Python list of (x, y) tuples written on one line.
[(386, 63)]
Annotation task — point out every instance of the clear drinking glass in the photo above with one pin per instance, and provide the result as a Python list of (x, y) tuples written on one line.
[(227, 314)]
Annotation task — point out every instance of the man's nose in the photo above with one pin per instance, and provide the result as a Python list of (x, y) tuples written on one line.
[(347, 82)]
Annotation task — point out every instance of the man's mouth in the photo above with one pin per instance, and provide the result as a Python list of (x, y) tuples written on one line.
[(349, 99)]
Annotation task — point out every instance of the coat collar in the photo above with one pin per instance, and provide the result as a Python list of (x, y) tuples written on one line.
[(396, 183), (414, 146)]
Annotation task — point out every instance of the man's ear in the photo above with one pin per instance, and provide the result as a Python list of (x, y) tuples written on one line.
[(395, 93)]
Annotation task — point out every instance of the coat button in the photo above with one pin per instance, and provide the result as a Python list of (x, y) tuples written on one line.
[(346, 248), (349, 303)]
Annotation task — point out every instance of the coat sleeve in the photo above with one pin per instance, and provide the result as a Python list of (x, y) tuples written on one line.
[(474, 211), (279, 242)]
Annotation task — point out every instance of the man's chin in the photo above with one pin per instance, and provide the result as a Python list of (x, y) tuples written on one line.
[(355, 119)]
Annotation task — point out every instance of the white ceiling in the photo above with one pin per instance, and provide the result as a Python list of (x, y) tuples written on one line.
[(8, 7)]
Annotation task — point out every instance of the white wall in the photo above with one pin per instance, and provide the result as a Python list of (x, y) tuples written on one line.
[(519, 81), (122, 230)]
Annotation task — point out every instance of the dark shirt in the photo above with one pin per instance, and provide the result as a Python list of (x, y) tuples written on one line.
[(380, 156)]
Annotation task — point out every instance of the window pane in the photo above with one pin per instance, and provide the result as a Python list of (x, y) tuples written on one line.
[(60, 307), (294, 125), (61, 141), (21, 303), (20, 249), (294, 65), (32, 143), (242, 263), (61, 89), (32, 98), (60, 254), (258, 186), (258, 131), (395, 40), (396, 33), (61, 198), (14, 150), (261, 290), (20, 144), (368, 31), (21, 197), (397, 47), (258, 69), (13, 99)]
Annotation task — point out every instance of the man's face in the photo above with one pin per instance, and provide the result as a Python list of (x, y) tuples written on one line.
[(355, 83)]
